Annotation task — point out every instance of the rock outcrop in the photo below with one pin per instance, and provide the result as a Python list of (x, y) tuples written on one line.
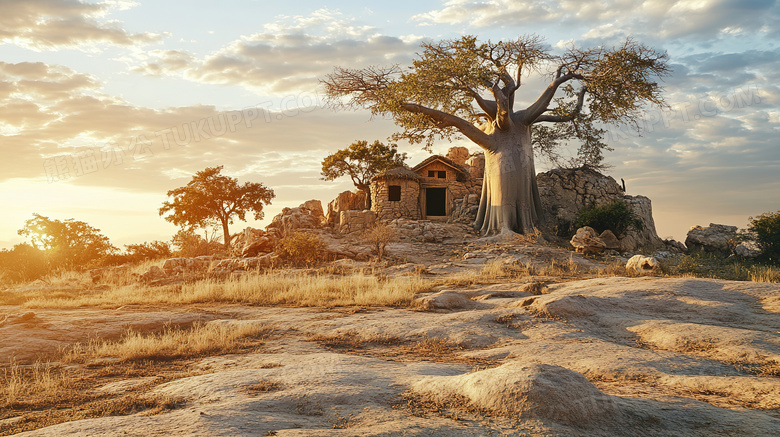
[(747, 249), (523, 389), (252, 242), (308, 215), (458, 155), (430, 232), (346, 201), (564, 192), (713, 238), (173, 266)]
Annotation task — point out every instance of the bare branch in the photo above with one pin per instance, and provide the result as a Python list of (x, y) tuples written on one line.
[(567, 117), (448, 120)]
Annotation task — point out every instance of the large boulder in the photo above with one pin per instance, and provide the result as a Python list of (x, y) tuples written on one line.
[(526, 390), (642, 264), (252, 242), (587, 240), (443, 300), (747, 249), (610, 240), (458, 155), (713, 238), (564, 192), (346, 201), (306, 216)]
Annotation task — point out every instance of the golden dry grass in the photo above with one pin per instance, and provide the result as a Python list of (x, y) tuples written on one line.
[(297, 288), (45, 394), (201, 339)]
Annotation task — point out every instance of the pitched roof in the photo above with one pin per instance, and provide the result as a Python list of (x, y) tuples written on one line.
[(398, 173), (443, 160)]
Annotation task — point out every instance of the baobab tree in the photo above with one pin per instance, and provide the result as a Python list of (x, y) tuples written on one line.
[(466, 87)]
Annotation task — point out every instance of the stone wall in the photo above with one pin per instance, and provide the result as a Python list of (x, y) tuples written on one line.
[(356, 221), (407, 207), (464, 208)]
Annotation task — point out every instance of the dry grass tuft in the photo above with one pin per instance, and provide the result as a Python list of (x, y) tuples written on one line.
[(18, 384), (264, 386), (456, 407), (172, 343), (353, 341), (536, 288), (434, 348)]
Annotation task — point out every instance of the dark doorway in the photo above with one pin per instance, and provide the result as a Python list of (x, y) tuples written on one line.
[(435, 201)]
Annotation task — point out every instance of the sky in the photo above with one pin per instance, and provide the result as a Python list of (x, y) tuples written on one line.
[(105, 106)]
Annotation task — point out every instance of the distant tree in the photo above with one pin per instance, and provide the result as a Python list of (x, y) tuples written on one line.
[(765, 231), (464, 87), (211, 198), (70, 243), (22, 263), (361, 162)]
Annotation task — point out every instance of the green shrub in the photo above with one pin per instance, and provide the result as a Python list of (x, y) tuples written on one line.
[(301, 249), (617, 217), (765, 231)]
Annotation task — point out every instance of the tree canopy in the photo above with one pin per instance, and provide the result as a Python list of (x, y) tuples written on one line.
[(211, 198), (69, 243), (467, 87), (361, 162)]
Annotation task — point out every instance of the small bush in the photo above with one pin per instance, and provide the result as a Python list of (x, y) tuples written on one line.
[(765, 231), (617, 217), (189, 244), (301, 249), (379, 236), (23, 263)]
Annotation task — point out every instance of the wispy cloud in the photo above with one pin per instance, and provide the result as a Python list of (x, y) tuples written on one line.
[(290, 55), (53, 24)]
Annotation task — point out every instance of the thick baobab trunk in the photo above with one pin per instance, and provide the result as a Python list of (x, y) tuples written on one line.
[(510, 197)]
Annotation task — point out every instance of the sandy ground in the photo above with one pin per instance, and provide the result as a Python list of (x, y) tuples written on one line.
[(609, 356)]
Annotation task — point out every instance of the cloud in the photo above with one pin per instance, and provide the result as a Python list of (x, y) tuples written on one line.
[(53, 24), (58, 125), (289, 55), (665, 19)]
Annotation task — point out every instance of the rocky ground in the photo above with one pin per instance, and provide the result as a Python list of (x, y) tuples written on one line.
[(582, 355)]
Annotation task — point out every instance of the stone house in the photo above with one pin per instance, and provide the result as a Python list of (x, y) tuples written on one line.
[(434, 189)]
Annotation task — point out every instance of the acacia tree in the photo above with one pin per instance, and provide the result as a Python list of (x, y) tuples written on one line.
[(361, 162), (465, 87), (211, 198)]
